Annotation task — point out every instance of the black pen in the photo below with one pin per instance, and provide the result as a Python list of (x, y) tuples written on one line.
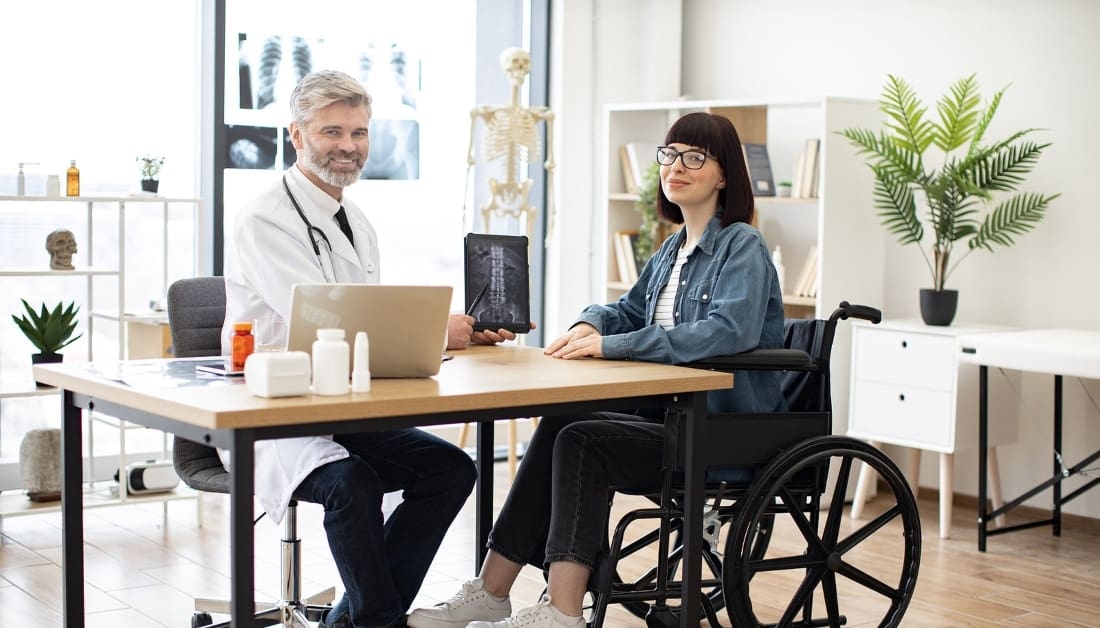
[(477, 299)]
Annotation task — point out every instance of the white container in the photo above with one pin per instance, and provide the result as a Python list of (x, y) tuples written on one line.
[(277, 374), (53, 186), (777, 260), (331, 363), (360, 374)]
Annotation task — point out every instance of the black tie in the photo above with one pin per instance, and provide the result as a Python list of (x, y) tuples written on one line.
[(345, 226)]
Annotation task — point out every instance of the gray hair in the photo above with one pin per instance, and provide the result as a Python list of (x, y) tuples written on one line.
[(320, 89)]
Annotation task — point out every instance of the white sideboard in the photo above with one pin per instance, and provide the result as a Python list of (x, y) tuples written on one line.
[(907, 388)]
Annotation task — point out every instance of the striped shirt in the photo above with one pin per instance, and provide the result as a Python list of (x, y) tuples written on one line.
[(664, 315)]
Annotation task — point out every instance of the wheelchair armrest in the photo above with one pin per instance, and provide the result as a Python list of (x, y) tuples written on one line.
[(759, 360)]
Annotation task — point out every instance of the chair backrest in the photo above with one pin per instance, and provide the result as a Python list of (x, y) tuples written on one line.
[(808, 391), (196, 310)]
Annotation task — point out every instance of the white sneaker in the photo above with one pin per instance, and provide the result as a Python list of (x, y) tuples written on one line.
[(471, 603), (541, 615)]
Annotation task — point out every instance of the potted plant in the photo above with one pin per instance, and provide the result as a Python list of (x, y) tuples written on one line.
[(783, 189), (48, 330), (957, 194), (150, 172), (649, 234)]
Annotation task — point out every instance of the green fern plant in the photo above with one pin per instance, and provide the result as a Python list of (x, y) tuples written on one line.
[(49, 330), (649, 232), (960, 192)]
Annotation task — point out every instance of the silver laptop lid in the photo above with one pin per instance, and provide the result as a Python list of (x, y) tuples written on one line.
[(406, 325)]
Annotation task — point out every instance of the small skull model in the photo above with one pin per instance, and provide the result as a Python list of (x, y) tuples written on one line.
[(516, 63), (61, 245)]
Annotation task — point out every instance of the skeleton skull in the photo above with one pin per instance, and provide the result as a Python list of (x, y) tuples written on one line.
[(61, 245), (516, 63)]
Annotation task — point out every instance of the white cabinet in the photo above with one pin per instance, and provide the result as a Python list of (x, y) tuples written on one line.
[(112, 290), (908, 389)]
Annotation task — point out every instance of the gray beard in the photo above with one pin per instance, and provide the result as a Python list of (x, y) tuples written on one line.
[(319, 166)]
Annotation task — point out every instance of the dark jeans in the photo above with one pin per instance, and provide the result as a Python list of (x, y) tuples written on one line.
[(557, 507), (383, 565)]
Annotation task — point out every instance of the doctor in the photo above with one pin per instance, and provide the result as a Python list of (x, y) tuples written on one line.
[(302, 229)]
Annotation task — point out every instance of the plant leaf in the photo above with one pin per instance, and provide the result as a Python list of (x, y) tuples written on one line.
[(959, 111), (900, 103), (897, 208), (1015, 216)]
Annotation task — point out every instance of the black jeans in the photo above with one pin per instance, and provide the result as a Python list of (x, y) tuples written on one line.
[(557, 507), (383, 565)]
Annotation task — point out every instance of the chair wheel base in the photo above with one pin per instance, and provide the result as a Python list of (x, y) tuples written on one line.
[(661, 617), (201, 619)]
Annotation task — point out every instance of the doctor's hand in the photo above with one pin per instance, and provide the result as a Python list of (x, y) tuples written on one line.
[(582, 341), (490, 337), (460, 330)]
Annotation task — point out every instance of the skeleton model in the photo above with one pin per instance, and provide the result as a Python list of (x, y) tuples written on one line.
[(511, 133), (61, 245)]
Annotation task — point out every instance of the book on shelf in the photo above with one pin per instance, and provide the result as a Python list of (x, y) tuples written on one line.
[(627, 243), (760, 169), (633, 158), (622, 256), (810, 167), (806, 286), (796, 179)]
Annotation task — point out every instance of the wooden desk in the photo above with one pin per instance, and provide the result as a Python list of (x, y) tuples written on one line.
[(481, 384), (1059, 352)]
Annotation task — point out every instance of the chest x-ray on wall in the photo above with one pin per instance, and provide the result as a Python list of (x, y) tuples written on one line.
[(268, 67)]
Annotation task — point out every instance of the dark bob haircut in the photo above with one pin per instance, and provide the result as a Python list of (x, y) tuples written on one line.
[(717, 135)]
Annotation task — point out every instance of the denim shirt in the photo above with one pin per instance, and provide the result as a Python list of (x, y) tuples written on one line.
[(728, 301)]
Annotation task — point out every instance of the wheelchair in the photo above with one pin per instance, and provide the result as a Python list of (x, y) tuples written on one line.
[(765, 472)]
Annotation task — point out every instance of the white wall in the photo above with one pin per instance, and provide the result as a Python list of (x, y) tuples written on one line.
[(1047, 51), (608, 51)]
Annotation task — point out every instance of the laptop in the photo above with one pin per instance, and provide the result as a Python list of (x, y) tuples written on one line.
[(406, 325)]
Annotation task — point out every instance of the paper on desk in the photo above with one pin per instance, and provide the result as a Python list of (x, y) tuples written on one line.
[(157, 374)]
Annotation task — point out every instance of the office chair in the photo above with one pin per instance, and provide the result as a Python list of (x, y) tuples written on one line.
[(760, 466), (196, 310)]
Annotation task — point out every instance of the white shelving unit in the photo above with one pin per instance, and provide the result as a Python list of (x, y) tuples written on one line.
[(92, 207), (841, 222)]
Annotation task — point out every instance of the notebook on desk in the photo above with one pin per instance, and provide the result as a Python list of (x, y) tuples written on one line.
[(406, 325)]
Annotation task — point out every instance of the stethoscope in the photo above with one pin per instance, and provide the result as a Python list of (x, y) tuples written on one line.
[(313, 232)]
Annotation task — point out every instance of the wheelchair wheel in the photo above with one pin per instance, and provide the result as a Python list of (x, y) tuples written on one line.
[(871, 569)]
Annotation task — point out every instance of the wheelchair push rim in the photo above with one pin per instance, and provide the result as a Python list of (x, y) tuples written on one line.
[(871, 569)]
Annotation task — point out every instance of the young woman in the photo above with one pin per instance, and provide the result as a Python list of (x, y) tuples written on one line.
[(710, 290)]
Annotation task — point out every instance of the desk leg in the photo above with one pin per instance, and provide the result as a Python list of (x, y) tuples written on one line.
[(483, 500), (241, 536), (983, 449), (694, 430), (72, 513), (1056, 515)]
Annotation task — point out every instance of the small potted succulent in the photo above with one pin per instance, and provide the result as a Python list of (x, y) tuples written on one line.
[(150, 172), (49, 331)]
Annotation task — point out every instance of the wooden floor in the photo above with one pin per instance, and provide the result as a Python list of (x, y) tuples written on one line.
[(143, 569)]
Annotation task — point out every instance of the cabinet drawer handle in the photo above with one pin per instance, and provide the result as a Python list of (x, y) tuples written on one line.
[(901, 396), (904, 344)]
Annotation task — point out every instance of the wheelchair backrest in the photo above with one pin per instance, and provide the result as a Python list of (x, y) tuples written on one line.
[(807, 391)]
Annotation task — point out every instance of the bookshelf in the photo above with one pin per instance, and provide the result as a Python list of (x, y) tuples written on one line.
[(840, 221)]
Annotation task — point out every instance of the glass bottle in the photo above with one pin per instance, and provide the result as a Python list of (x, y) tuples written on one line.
[(243, 344), (72, 180)]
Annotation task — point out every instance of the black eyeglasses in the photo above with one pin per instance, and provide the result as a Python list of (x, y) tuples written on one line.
[(693, 159)]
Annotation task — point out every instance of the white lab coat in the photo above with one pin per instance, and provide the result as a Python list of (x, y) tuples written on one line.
[(270, 251)]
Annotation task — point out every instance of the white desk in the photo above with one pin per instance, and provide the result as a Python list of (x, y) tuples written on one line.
[(1059, 352)]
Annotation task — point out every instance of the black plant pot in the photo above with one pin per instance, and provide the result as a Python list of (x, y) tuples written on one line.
[(150, 185), (937, 307), (45, 358)]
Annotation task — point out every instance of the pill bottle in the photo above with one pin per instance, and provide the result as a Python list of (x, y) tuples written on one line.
[(243, 343), (331, 363)]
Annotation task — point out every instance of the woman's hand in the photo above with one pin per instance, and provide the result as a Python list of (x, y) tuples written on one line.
[(582, 341)]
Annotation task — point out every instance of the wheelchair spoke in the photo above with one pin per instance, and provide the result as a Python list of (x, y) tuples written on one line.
[(859, 576), (864, 532), (786, 563), (832, 607), (795, 509), (836, 508), (805, 590)]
